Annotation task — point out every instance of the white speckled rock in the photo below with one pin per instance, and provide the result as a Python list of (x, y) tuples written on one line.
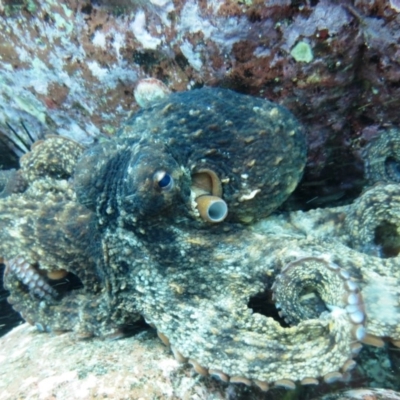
[(40, 366), (35, 365)]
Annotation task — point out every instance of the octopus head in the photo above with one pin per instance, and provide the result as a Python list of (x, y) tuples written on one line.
[(132, 181), (152, 183)]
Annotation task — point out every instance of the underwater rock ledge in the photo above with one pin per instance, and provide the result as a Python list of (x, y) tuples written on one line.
[(136, 367), (34, 365)]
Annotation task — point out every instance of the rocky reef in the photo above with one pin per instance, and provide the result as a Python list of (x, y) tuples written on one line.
[(71, 69), (138, 367)]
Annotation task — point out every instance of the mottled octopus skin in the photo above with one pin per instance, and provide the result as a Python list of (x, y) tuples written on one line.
[(43, 161), (382, 157), (11, 181), (142, 251), (371, 227), (31, 237), (256, 148)]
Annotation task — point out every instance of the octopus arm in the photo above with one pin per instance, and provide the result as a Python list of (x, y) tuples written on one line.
[(204, 310)]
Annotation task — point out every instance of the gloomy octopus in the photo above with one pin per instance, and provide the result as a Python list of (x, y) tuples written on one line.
[(160, 222)]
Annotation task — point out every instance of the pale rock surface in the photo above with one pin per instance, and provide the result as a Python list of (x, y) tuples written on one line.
[(41, 366)]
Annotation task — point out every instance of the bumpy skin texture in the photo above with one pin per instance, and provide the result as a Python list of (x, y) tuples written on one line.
[(43, 160), (242, 139), (382, 157), (11, 181), (45, 232), (367, 241), (140, 250)]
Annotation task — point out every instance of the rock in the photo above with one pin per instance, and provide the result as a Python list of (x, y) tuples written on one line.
[(75, 69), (34, 365), (40, 366)]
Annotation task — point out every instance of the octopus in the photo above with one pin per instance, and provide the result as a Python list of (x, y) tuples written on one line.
[(382, 157), (172, 221)]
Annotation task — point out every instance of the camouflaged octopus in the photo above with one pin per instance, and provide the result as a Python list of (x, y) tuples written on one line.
[(156, 223)]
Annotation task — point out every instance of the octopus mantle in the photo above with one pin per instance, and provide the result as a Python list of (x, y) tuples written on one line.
[(96, 239)]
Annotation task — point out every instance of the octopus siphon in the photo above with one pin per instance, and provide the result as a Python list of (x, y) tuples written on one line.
[(171, 221)]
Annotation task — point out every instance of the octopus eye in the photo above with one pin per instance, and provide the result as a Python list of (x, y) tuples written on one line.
[(163, 180)]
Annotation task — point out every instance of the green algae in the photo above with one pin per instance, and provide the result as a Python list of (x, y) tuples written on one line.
[(302, 52)]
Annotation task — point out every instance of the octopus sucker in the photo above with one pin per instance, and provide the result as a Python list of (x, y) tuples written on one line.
[(178, 356), (57, 274), (240, 379), (163, 338), (309, 381), (219, 375), (285, 384), (332, 377), (261, 385), (121, 217), (359, 334), (356, 348), (29, 276), (373, 341), (317, 274), (349, 365), (198, 368)]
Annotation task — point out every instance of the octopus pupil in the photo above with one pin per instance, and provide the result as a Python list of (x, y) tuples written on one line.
[(165, 181)]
